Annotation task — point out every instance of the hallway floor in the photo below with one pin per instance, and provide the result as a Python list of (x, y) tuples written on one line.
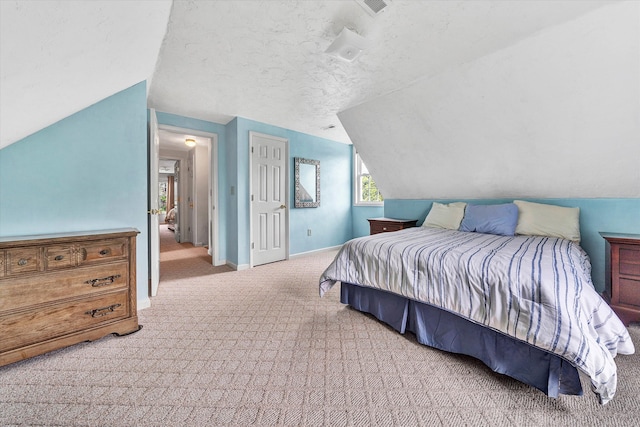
[(182, 260)]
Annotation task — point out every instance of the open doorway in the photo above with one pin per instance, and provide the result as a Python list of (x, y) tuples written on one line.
[(169, 194), (188, 193)]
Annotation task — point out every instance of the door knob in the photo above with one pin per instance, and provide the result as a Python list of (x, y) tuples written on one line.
[(283, 207)]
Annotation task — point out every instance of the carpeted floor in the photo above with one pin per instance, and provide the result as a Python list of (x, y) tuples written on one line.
[(260, 347)]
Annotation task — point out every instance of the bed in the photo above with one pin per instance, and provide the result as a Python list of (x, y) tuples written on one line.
[(523, 304)]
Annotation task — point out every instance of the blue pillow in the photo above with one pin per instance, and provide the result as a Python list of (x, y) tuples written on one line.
[(491, 219)]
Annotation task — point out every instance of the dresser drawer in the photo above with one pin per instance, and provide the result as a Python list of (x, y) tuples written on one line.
[(16, 293), (22, 329), (22, 260), (56, 257), (103, 250)]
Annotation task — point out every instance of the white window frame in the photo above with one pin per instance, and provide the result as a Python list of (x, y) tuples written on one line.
[(357, 190)]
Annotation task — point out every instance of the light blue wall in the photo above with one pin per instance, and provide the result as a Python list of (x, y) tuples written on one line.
[(596, 215), (220, 173), (359, 216), (85, 172), (331, 222)]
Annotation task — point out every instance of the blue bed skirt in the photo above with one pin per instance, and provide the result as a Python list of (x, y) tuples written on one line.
[(449, 332)]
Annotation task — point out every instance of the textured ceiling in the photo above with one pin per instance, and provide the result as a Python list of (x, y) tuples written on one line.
[(265, 60), (262, 60)]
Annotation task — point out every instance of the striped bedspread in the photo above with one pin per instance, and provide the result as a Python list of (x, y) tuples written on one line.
[(535, 289)]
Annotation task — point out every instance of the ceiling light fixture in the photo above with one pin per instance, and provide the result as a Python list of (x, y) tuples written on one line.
[(190, 142), (348, 46)]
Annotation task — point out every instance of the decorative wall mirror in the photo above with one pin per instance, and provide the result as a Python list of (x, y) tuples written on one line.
[(307, 183)]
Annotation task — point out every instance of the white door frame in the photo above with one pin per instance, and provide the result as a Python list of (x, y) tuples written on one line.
[(154, 232), (286, 197), (213, 186)]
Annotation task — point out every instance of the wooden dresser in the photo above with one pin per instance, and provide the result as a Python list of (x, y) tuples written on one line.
[(622, 278), (385, 225), (62, 289)]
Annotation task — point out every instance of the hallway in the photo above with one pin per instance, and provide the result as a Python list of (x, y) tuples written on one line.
[(182, 260)]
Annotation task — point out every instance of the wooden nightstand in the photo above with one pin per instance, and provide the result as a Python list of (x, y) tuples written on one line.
[(385, 225), (623, 275)]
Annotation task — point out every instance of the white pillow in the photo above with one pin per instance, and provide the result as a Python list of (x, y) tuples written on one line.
[(537, 219), (445, 216)]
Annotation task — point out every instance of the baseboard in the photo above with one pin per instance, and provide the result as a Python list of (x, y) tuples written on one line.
[(331, 248), (238, 267), (143, 303)]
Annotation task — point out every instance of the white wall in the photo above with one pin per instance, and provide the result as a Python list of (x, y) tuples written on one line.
[(201, 193), (555, 115)]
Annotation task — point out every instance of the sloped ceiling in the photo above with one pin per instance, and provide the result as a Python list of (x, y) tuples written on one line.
[(59, 57), (555, 115), (262, 60)]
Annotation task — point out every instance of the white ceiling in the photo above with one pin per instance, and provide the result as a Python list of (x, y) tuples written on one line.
[(262, 60), (59, 57), (174, 141)]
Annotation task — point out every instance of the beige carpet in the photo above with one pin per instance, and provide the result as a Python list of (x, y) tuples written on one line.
[(260, 347)]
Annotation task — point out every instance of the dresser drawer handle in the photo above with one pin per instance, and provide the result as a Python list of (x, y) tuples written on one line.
[(59, 258), (104, 281), (98, 312), (105, 252), (23, 261)]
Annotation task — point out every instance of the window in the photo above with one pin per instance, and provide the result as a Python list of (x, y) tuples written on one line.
[(366, 192), (162, 193)]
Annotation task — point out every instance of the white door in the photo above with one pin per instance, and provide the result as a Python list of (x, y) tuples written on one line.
[(269, 219), (154, 232)]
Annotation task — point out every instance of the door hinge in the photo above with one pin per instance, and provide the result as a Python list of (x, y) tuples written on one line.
[(252, 197), (251, 150), (253, 245)]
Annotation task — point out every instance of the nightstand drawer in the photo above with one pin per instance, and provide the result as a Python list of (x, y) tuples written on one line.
[(386, 225), (629, 292), (629, 261)]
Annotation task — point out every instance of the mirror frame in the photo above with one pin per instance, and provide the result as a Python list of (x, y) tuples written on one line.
[(299, 203)]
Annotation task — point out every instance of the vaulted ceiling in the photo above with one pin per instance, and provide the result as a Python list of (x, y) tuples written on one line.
[(262, 60)]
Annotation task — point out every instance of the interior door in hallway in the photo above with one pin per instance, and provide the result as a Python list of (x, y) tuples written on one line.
[(269, 214), (154, 233)]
